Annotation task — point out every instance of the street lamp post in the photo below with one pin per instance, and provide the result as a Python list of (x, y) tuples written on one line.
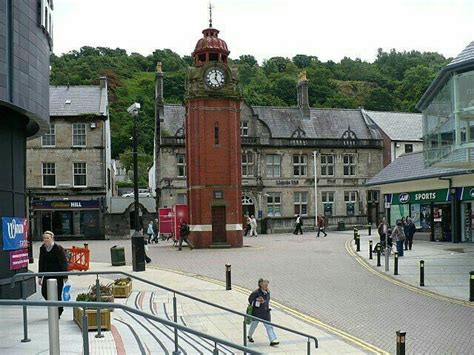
[(315, 190), (138, 242)]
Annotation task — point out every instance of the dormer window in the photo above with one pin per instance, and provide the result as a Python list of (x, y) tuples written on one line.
[(213, 57)]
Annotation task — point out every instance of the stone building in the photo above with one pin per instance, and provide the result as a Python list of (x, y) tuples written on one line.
[(69, 171), (278, 166)]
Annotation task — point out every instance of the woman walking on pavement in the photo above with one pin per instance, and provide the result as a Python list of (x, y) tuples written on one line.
[(398, 236), (321, 225), (299, 223), (410, 230), (260, 300), (253, 226)]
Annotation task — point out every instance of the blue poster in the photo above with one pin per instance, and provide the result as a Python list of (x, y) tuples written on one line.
[(15, 231)]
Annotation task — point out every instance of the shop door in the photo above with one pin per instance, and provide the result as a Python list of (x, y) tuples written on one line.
[(218, 224), (45, 222)]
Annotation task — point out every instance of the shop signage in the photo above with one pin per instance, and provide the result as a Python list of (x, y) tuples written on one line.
[(441, 195), (287, 182), (51, 205), (18, 259), (15, 231), (404, 197)]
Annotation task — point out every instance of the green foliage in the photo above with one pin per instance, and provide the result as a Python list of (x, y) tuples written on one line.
[(395, 81), (144, 160)]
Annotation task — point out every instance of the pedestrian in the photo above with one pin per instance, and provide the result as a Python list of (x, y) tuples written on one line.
[(149, 232), (321, 225), (383, 231), (145, 247), (253, 226), (298, 225), (260, 301), (52, 258), (184, 232), (247, 226), (156, 232), (410, 230), (398, 236)]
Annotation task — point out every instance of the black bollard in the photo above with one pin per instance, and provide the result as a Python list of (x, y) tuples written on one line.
[(358, 242), (422, 273), (401, 343), (370, 250), (355, 233), (370, 229), (378, 255), (395, 266), (471, 286), (228, 285)]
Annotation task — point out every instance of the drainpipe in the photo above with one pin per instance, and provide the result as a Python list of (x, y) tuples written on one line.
[(452, 192)]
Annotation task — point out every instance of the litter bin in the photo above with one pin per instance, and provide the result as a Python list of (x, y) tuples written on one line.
[(341, 225), (117, 255)]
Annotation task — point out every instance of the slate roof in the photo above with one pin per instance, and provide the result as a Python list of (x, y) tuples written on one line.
[(399, 126), (83, 100), (410, 167), (283, 121), (466, 55)]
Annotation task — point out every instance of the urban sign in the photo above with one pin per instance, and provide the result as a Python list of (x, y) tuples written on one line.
[(15, 232), (404, 197), (287, 182), (18, 259), (440, 195), (44, 204)]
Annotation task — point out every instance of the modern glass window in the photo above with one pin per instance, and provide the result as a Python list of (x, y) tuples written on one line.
[(408, 148), (273, 204), (79, 134), (248, 164), (49, 139), (181, 165), (244, 128), (300, 165), (301, 203), (80, 174), (327, 165), (349, 162), (273, 165), (49, 174)]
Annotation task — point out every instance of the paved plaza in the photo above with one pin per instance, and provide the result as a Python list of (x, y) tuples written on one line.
[(322, 281)]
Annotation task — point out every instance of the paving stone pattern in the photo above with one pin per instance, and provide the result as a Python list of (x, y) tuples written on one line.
[(318, 277)]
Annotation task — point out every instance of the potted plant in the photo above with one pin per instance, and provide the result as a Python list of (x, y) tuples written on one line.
[(122, 288), (90, 296)]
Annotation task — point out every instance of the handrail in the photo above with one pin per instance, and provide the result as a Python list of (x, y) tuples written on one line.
[(81, 273), (102, 305)]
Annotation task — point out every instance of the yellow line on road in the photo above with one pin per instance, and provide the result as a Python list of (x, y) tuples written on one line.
[(304, 317), (400, 283)]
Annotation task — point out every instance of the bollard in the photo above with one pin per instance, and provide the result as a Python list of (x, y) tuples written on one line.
[(395, 265), (355, 233), (387, 259), (370, 229), (25, 314), (370, 250), (471, 288), (228, 285), (378, 255), (401, 343), (53, 317), (422, 273), (358, 242)]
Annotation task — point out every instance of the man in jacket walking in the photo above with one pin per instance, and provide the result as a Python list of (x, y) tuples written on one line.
[(298, 225), (321, 225), (184, 232), (410, 230)]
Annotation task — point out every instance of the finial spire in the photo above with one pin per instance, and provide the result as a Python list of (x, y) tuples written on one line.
[(210, 14)]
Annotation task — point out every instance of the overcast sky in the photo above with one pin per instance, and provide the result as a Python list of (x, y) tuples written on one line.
[(329, 29)]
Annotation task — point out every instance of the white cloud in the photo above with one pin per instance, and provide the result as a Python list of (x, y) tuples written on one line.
[(265, 28)]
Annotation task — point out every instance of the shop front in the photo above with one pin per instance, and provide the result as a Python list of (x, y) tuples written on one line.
[(467, 214), (68, 218)]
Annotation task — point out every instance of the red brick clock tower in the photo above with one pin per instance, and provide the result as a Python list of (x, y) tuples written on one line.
[(213, 98)]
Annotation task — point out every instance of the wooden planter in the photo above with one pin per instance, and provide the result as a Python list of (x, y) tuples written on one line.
[(105, 318), (122, 291)]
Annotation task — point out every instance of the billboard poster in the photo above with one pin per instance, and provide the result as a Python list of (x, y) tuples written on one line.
[(15, 232), (415, 213), (18, 259)]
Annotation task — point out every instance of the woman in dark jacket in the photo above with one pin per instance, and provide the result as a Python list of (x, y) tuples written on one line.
[(52, 258), (260, 300)]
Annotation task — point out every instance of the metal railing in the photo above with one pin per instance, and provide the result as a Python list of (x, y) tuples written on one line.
[(102, 305), (245, 316)]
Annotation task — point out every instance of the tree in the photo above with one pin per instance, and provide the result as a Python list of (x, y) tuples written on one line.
[(145, 161)]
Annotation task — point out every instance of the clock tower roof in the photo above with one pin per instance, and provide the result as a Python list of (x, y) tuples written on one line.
[(210, 48)]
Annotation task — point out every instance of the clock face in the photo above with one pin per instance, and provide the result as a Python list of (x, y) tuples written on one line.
[(215, 78)]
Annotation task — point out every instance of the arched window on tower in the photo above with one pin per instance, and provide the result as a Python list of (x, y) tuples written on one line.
[(216, 133)]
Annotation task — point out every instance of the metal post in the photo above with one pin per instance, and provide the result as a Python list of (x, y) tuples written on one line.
[(53, 317), (97, 316), (358, 242), (308, 347), (175, 319), (228, 285), (401, 343), (85, 334), (135, 172), (471, 286), (395, 265), (370, 250), (215, 351), (378, 255), (25, 314), (245, 333), (422, 273), (355, 233), (370, 229)]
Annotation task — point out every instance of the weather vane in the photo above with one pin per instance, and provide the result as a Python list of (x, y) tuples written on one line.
[(210, 14)]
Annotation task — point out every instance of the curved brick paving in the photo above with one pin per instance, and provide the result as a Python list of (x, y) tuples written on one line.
[(319, 278)]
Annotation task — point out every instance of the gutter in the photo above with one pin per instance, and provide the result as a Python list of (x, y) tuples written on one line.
[(420, 178)]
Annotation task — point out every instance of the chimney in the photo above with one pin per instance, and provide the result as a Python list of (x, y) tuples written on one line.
[(302, 95), (103, 82), (159, 87)]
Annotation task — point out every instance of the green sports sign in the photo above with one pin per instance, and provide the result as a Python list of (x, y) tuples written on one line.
[(429, 196)]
